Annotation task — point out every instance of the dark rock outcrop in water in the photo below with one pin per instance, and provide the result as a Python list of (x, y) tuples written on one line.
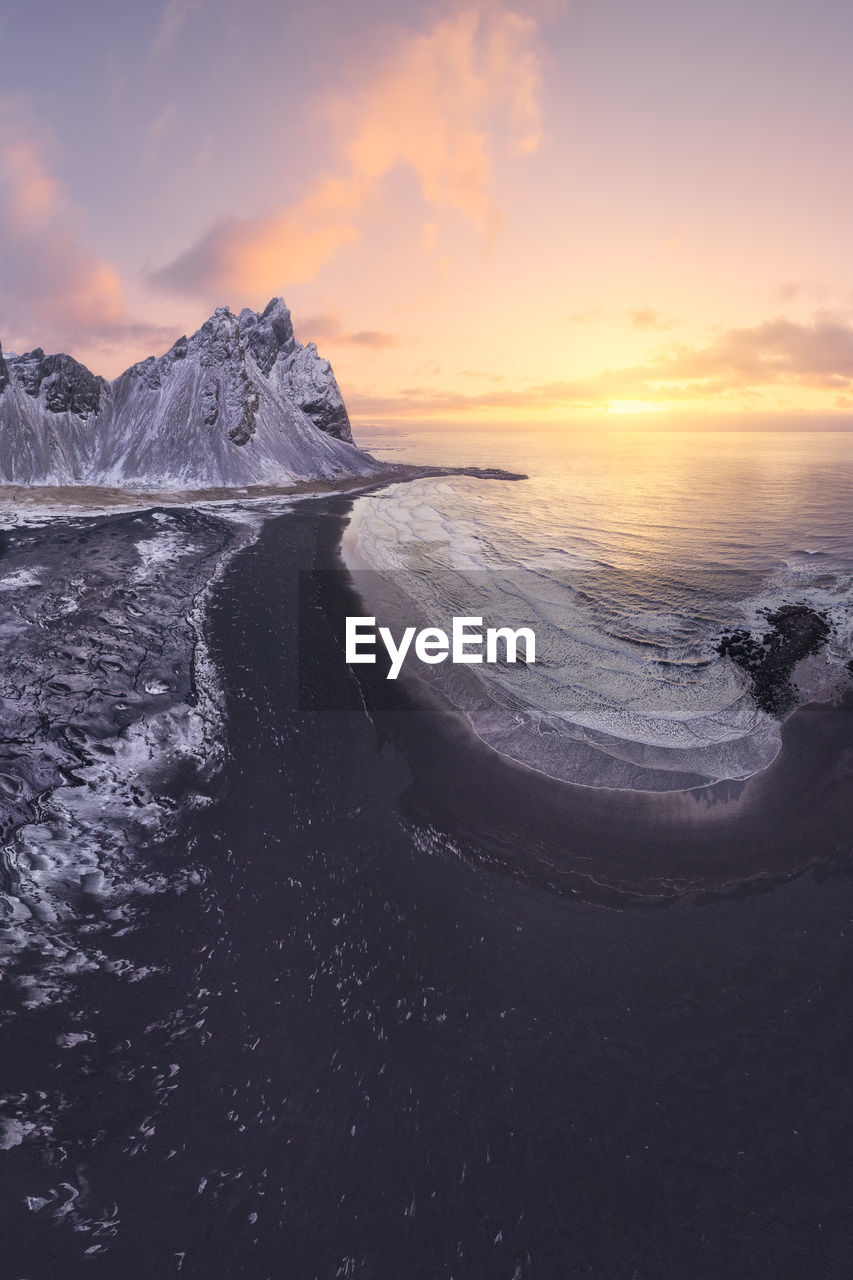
[(795, 631), (241, 402)]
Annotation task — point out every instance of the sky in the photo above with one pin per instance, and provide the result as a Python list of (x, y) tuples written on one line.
[(538, 212)]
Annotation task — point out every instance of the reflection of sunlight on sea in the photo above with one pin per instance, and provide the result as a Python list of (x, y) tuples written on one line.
[(628, 553)]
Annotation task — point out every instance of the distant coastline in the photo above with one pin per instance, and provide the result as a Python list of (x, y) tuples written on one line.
[(58, 500)]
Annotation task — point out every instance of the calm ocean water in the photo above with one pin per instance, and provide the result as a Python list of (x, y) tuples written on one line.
[(628, 551)]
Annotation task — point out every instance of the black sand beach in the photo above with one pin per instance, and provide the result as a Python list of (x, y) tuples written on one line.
[(598, 841), (373, 1042)]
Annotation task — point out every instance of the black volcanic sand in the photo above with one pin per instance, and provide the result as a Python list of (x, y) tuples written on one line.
[(366, 1052), (18, 500)]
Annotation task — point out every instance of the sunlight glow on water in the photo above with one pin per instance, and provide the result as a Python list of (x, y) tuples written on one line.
[(630, 550)]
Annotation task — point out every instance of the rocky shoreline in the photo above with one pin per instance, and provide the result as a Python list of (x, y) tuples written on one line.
[(793, 632)]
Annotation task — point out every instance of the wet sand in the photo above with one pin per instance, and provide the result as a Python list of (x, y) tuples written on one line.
[(794, 814)]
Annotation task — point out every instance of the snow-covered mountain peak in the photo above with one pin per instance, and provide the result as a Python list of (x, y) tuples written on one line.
[(268, 335), (60, 383), (239, 402)]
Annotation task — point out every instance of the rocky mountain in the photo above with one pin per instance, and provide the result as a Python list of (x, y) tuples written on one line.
[(241, 402)]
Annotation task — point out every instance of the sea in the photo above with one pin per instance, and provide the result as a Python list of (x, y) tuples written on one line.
[(628, 552)]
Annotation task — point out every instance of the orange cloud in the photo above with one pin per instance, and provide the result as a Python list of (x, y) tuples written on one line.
[(429, 236), (240, 258), (817, 355), (441, 106), (646, 318), (739, 364)]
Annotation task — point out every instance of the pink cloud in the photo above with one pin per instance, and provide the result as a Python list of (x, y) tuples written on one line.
[(31, 193), (442, 105), (329, 329), (46, 268), (56, 291)]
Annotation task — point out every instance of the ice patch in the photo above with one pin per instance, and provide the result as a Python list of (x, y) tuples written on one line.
[(13, 1133), (160, 552), (72, 1038), (20, 579)]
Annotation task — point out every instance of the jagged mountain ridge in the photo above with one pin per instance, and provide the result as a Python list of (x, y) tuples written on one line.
[(241, 402)]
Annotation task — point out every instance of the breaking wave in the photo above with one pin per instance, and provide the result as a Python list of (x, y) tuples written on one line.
[(627, 689)]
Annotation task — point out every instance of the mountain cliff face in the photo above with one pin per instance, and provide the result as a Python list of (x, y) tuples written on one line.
[(241, 402)]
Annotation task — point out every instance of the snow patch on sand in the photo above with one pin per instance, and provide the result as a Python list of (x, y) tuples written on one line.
[(111, 695), (20, 579)]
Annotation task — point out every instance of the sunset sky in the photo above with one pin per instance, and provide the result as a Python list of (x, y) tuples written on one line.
[(480, 211)]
